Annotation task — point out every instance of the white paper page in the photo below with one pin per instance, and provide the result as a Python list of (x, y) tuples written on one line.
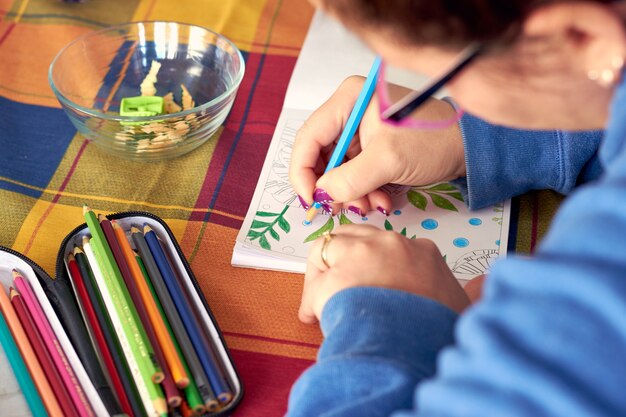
[(329, 55)]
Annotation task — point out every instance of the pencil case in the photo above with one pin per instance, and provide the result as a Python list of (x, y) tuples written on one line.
[(52, 307)]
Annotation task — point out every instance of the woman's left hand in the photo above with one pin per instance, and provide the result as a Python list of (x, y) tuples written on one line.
[(364, 256)]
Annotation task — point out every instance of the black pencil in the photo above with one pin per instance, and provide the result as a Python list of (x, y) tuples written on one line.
[(111, 340), (208, 396)]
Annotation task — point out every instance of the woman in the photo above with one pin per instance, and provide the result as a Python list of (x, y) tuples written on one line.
[(548, 334)]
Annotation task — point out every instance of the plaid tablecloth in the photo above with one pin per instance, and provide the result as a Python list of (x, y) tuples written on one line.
[(47, 171)]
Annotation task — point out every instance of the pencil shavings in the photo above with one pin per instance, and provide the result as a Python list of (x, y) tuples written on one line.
[(147, 85), (170, 105), (187, 101)]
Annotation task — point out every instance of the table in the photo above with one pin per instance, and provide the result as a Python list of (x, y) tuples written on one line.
[(45, 174)]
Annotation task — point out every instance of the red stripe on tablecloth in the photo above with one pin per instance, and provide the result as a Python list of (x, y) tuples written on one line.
[(272, 339), (57, 196), (6, 33), (267, 380), (535, 222)]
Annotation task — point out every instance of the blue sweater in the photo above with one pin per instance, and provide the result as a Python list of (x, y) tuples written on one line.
[(548, 338)]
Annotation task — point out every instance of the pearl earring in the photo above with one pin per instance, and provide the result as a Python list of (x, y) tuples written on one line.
[(608, 76)]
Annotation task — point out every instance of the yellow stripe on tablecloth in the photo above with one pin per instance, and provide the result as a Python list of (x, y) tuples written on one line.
[(235, 19), (53, 223), (88, 198)]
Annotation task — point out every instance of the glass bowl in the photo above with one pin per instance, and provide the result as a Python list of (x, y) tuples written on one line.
[(195, 70)]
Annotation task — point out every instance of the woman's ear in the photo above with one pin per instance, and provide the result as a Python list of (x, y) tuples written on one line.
[(594, 35)]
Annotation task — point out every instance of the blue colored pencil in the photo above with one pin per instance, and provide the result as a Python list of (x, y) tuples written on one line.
[(205, 354), (350, 128), (22, 375)]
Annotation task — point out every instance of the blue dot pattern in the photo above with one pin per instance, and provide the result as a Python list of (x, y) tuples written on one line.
[(430, 224), (460, 242), (474, 221), (397, 212)]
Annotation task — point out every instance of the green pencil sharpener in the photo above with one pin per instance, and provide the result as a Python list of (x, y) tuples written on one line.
[(142, 106)]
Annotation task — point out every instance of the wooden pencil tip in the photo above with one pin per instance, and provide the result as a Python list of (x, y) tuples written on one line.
[(102, 218), (311, 213), (146, 228), (86, 209), (115, 225), (77, 249), (71, 257), (85, 240), (15, 273), (13, 292), (135, 229)]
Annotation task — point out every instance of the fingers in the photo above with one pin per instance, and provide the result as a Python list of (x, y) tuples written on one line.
[(355, 178), (318, 132)]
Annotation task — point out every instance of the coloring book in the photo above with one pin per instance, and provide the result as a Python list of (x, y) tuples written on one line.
[(274, 234)]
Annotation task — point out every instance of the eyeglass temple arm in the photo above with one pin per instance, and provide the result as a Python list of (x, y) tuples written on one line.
[(408, 104)]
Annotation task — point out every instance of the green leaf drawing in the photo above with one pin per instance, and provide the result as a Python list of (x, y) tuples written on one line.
[(388, 225), (403, 232), (413, 237), (265, 214), (284, 224), (264, 227), (444, 186), (327, 227), (264, 243), (445, 258), (456, 195), (343, 219), (417, 199), (440, 194), (497, 220), (442, 202), (256, 224)]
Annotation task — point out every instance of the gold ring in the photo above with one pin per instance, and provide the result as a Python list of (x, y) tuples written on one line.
[(327, 238)]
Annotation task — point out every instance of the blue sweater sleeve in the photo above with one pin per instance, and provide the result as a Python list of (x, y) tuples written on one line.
[(502, 162), (371, 361)]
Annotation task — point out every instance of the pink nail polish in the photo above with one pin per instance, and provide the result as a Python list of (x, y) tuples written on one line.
[(303, 203), (355, 210), (382, 210), (322, 196)]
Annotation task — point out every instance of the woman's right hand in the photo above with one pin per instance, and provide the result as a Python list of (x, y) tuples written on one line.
[(379, 154)]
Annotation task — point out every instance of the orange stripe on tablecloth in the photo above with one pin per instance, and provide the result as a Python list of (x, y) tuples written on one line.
[(56, 197), (88, 197)]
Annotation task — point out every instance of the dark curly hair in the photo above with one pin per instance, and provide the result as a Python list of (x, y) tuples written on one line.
[(446, 23)]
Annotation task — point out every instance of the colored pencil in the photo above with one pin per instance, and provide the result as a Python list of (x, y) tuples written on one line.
[(61, 297), (351, 126), (100, 327), (142, 382), (192, 395), (144, 325), (195, 367), (24, 379), (42, 354), (54, 347), (164, 341), (193, 327), (126, 310), (28, 356)]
